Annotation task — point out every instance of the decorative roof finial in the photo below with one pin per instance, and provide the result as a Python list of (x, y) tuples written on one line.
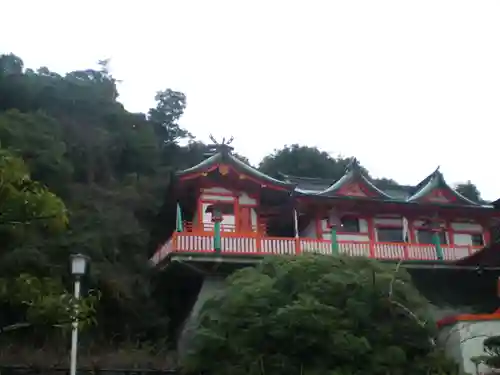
[(223, 146), (437, 173), (352, 165)]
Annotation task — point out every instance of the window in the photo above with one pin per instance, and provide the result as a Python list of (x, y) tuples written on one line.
[(390, 234), (350, 224), (225, 208), (425, 237), (477, 239)]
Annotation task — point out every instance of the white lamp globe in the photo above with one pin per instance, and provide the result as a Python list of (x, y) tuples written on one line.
[(78, 264)]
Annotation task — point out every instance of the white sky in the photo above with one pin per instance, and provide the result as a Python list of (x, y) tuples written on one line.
[(402, 85)]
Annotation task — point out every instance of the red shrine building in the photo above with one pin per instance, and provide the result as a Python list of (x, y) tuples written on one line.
[(226, 207)]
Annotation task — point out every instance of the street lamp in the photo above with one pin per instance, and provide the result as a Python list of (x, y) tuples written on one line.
[(78, 266)]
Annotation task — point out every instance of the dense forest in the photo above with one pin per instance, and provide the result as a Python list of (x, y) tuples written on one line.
[(106, 170)]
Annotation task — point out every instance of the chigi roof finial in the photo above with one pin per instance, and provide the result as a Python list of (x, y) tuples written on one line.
[(352, 165), (223, 146)]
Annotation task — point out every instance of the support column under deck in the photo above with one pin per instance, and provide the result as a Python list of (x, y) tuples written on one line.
[(212, 285)]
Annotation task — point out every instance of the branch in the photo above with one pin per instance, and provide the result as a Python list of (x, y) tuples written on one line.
[(391, 285), (16, 326), (415, 317), (403, 307), (11, 222), (13, 327), (473, 337)]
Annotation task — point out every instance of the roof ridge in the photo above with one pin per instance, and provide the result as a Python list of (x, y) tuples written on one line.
[(308, 178)]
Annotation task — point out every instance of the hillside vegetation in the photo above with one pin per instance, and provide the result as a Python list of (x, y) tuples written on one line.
[(105, 171)]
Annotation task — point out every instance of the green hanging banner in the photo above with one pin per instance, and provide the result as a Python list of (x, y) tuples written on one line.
[(216, 219), (437, 244), (217, 239), (179, 226), (335, 244)]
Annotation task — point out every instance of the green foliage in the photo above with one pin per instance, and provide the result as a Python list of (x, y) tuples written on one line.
[(170, 107), (303, 161), (45, 303), (111, 168), (25, 202), (469, 190), (317, 315), (42, 147)]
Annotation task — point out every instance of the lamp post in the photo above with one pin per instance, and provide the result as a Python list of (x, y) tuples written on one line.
[(78, 266)]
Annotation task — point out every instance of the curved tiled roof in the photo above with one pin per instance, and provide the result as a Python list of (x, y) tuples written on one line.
[(353, 175), (436, 181), (328, 188), (224, 156), (320, 187)]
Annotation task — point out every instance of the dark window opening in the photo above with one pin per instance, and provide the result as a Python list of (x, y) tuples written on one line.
[(425, 237), (224, 208), (477, 239), (350, 224), (390, 234)]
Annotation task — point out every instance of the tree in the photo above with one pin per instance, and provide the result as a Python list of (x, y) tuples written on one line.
[(170, 106), (385, 183), (109, 166), (24, 202), (304, 161), (42, 147), (469, 190), (45, 303), (317, 315)]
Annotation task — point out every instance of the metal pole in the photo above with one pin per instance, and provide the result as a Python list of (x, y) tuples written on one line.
[(74, 332)]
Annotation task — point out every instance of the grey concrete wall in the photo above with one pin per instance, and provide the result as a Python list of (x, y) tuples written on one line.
[(210, 287), (464, 341)]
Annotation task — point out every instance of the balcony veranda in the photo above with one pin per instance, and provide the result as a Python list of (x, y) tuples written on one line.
[(256, 244)]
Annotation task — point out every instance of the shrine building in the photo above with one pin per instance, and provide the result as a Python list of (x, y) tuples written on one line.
[(228, 209)]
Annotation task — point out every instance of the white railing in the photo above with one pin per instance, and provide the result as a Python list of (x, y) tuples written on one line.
[(231, 243)]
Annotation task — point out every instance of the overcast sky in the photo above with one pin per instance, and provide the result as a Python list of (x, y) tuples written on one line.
[(402, 85)]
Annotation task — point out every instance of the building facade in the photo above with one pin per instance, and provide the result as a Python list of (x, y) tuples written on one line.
[(225, 206)]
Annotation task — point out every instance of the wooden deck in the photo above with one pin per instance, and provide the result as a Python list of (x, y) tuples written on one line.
[(238, 244)]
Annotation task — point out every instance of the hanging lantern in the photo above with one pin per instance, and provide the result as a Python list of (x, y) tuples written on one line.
[(333, 220), (432, 225), (216, 214)]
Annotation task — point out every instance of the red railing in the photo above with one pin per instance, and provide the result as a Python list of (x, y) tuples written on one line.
[(208, 227), (256, 244)]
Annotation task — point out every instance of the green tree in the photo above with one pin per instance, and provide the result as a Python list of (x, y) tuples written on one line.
[(44, 303), (303, 161), (170, 106), (24, 202), (386, 183), (42, 147), (317, 315), (110, 167), (469, 190)]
